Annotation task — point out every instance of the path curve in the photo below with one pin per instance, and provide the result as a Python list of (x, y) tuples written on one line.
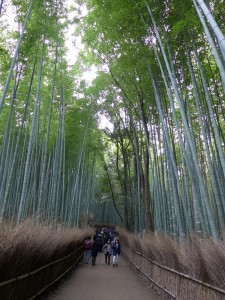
[(103, 282)]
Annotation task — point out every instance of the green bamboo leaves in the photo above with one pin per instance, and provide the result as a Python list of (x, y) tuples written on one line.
[(41, 176), (171, 111)]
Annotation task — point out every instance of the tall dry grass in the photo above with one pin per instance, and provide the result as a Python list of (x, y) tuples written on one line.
[(202, 259), (31, 246)]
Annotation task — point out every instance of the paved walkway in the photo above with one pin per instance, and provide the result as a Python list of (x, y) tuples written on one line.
[(103, 282)]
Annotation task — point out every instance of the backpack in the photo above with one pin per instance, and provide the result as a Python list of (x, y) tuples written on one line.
[(87, 244)]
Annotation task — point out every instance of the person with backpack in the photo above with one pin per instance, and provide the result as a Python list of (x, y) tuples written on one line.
[(87, 249)]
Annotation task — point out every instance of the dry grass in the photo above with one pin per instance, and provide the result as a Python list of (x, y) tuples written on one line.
[(30, 246), (202, 259)]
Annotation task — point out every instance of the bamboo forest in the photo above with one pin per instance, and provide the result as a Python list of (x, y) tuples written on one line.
[(114, 112)]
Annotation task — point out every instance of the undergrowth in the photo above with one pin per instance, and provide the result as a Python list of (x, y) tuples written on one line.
[(199, 258), (31, 246)]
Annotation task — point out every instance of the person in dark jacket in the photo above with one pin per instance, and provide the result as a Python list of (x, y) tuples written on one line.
[(94, 252), (116, 252)]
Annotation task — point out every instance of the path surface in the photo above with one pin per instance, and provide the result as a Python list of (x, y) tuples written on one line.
[(103, 282)]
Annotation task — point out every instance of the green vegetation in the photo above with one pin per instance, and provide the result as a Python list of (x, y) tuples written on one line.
[(47, 157), (164, 95), (159, 164)]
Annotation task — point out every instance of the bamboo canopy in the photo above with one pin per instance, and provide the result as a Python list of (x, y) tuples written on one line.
[(158, 161)]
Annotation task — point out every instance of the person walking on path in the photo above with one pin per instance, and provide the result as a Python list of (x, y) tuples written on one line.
[(94, 252), (87, 249), (116, 252), (100, 283), (107, 248)]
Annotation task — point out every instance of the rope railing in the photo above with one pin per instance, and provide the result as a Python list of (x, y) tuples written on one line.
[(170, 283), (44, 278)]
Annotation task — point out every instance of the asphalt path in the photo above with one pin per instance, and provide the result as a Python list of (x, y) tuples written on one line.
[(103, 282)]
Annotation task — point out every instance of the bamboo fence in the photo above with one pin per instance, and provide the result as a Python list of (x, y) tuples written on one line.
[(29, 286), (169, 283)]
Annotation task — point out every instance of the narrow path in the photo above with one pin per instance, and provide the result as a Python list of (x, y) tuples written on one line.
[(103, 282)]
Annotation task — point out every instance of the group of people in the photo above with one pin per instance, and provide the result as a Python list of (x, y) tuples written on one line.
[(112, 248), (104, 241)]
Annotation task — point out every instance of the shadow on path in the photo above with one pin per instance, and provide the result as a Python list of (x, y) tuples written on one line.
[(103, 282)]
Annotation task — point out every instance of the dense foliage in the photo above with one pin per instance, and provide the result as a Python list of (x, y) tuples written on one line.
[(159, 162), (48, 128), (164, 95)]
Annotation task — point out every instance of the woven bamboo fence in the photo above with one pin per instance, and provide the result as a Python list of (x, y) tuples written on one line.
[(169, 283), (29, 286)]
